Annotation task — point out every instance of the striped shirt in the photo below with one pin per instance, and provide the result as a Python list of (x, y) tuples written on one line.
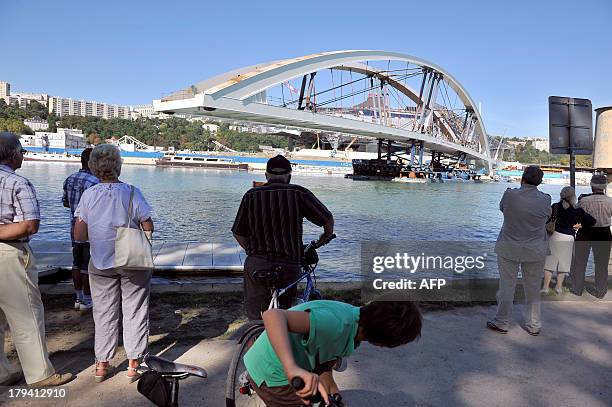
[(18, 200), (598, 206), (271, 217)]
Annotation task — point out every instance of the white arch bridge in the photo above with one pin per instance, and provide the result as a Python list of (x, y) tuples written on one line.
[(406, 101)]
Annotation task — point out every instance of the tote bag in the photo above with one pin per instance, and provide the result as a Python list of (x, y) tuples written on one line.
[(133, 249)]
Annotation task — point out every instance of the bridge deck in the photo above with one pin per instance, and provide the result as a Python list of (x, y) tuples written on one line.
[(167, 255)]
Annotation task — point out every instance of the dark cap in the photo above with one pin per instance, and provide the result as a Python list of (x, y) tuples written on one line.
[(278, 165), (599, 181)]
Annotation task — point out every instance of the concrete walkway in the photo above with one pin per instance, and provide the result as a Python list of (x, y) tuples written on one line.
[(167, 256), (457, 362)]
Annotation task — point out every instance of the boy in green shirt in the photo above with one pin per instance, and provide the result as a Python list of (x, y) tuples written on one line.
[(307, 340)]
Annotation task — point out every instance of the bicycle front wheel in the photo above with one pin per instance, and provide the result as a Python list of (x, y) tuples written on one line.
[(236, 376)]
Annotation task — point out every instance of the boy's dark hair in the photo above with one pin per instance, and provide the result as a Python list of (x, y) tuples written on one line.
[(533, 175), (390, 323), (85, 156)]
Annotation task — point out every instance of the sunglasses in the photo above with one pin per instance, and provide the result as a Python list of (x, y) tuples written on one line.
[(22, 151)]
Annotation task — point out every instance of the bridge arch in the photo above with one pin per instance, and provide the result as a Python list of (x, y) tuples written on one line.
[(240, 95)]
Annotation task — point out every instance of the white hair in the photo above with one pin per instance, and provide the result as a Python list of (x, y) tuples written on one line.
[(105, 161), (284, 178)]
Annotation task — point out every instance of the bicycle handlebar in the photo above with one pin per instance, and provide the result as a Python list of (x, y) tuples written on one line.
[(298, 384), (335, 400)]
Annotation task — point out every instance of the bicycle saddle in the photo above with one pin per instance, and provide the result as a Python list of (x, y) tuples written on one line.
[(162, 366)]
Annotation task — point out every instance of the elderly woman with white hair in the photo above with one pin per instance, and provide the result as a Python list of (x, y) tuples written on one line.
[(103, 209), (568, 219)]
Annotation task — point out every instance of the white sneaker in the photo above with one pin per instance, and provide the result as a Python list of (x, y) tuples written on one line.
[(545, 291), (85, 306), (77, 305)]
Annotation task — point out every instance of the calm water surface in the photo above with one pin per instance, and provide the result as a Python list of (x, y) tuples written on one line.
[(200, 205)]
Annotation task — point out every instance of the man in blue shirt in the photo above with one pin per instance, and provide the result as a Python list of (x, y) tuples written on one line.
[(74, 186)]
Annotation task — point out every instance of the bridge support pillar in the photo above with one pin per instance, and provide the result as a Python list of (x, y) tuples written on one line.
[(421, 153)]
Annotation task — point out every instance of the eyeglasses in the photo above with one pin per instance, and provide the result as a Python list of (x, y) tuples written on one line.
[(22, 151)]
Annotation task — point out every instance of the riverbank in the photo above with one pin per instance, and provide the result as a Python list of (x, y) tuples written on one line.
[(457, 361)]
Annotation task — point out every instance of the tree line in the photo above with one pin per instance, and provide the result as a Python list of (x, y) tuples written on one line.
[(528, 154)]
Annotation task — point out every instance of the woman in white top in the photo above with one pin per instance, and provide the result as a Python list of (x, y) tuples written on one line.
[(102, 209)]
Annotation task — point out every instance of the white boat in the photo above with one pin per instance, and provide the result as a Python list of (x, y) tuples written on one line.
[(52, 157), (408, 180), (320, 169), (171, 160)]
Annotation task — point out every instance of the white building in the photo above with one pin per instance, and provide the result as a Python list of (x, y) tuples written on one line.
[(72, 107), (36, 124), (5, 89), (212, 128), (541, 144), (138, 111), (22, 99), (64, 138)]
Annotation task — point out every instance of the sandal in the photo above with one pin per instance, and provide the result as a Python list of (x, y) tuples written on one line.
[(136, 373), (106, 370)]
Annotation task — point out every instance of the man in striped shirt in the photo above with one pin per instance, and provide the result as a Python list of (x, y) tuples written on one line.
[(74, 186), (268, 226), (598, 237)]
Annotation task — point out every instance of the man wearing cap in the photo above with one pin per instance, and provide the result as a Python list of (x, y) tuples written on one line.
[(20, 303), (597, 237), (268, 226)]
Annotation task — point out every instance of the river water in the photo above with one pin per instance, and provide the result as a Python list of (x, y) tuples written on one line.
[(200, 205)]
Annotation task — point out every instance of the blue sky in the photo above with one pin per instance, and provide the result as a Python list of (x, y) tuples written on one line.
[(509, 55)]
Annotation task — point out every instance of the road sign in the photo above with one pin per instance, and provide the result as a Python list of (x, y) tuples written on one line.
[(570, 125)]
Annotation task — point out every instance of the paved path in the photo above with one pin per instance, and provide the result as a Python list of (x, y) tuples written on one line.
[(457, 362)]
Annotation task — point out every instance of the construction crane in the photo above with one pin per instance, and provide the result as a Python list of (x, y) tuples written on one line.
[(222, 147)]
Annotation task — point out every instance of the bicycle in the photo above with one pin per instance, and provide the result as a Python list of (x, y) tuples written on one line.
[(238, 390), (160, 384)]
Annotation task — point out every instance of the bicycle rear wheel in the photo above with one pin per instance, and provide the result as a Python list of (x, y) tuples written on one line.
[(236, 376)]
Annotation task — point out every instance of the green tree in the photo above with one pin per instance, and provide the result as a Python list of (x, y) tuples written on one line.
[(35, 109), (15, 126)]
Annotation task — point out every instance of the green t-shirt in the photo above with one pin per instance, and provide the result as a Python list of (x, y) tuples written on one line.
[(333, 327)]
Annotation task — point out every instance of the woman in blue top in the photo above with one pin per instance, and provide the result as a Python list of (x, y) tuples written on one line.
[(569, 219)]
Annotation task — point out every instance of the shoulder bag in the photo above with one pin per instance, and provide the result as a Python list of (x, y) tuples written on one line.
[(133, 249), (552, 222)]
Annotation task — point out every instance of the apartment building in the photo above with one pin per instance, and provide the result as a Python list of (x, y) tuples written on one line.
[(5, 89), (72, 107), (20, 98)]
